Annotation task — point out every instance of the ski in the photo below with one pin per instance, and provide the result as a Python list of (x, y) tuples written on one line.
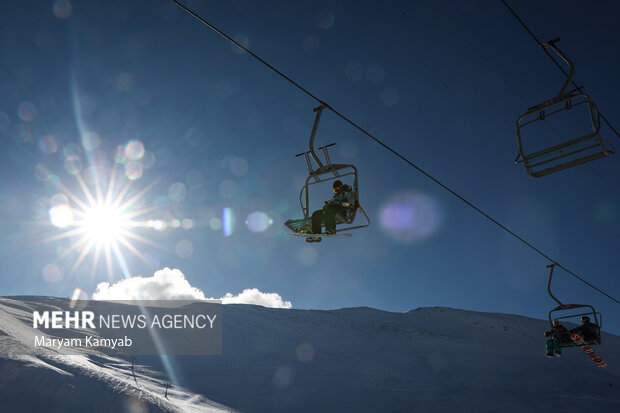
[(578, 339), (319, 237)]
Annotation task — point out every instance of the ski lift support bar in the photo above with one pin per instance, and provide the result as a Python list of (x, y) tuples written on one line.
[(321, 168)]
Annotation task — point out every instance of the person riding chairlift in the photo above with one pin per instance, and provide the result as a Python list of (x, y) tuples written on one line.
[(342, 203), (587, 330), (556, 336)]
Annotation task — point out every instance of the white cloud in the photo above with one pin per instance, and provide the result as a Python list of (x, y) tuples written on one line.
[(256, 297), (171, 284), (165, 284)]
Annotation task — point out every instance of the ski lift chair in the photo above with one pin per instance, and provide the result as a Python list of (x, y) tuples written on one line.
[(571, 312), (571, 152), (325, 173)]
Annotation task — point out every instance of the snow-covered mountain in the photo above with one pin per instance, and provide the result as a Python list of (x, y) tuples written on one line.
[(348, 360)]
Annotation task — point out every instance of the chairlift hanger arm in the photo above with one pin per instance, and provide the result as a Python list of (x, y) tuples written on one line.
[(319, 111), (571, 73), (552, 266)]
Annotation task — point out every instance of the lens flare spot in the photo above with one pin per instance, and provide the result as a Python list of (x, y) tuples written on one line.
[(71, 149), (52, 183), (215, 224), (354, 72), (73, 164), (27, 111), (47, 144), (61, 216), (133, 170), (177, 192), (22, 133), (119, 157), (307, 256), (184, 249), (305, 352), (325, 19), (228, 222), (187, 223), (134, 150), (78, 295), (42, 173), (59, 200), (238, 166), (157, 224), (243, 41), (134, 405), (62, 9), (283, 377), (389, 96), (258, 221), (228, 188), (52, 273), (91, 141), (410, 216)]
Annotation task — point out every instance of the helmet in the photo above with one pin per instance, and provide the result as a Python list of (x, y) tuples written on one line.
[(585, 319), (337, 185)]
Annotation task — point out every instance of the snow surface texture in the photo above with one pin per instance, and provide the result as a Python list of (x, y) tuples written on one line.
[(349, 360)]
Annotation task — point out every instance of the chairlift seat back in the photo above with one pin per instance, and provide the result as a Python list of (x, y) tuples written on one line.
[(568, 153), (592, 337)]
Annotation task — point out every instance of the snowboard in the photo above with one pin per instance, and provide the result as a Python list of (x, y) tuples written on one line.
[(578, 339), (319, 237)]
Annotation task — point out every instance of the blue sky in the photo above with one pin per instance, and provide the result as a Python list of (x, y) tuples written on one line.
[(143, 88)]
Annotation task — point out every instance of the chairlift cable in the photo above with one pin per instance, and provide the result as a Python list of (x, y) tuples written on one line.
[(482, 56), (476, 50), (516, 16), (394, 152), (221, 33)]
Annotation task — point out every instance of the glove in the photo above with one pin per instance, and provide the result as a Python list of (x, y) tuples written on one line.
[(346, 204)]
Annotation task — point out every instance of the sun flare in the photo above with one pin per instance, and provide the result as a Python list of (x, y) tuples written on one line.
[(103, 224)]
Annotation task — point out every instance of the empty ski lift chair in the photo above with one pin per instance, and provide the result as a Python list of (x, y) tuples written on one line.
[(567, 313), (325, 173), (572, 151)]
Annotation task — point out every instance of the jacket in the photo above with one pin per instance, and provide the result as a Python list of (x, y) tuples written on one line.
[(344, 198)]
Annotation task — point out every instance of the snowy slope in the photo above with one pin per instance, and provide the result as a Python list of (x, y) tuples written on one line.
[(90, 382), (349, 360), (426, 360)]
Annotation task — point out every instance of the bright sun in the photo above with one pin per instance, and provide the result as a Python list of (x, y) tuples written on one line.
[(104, 224), (101, 223)]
